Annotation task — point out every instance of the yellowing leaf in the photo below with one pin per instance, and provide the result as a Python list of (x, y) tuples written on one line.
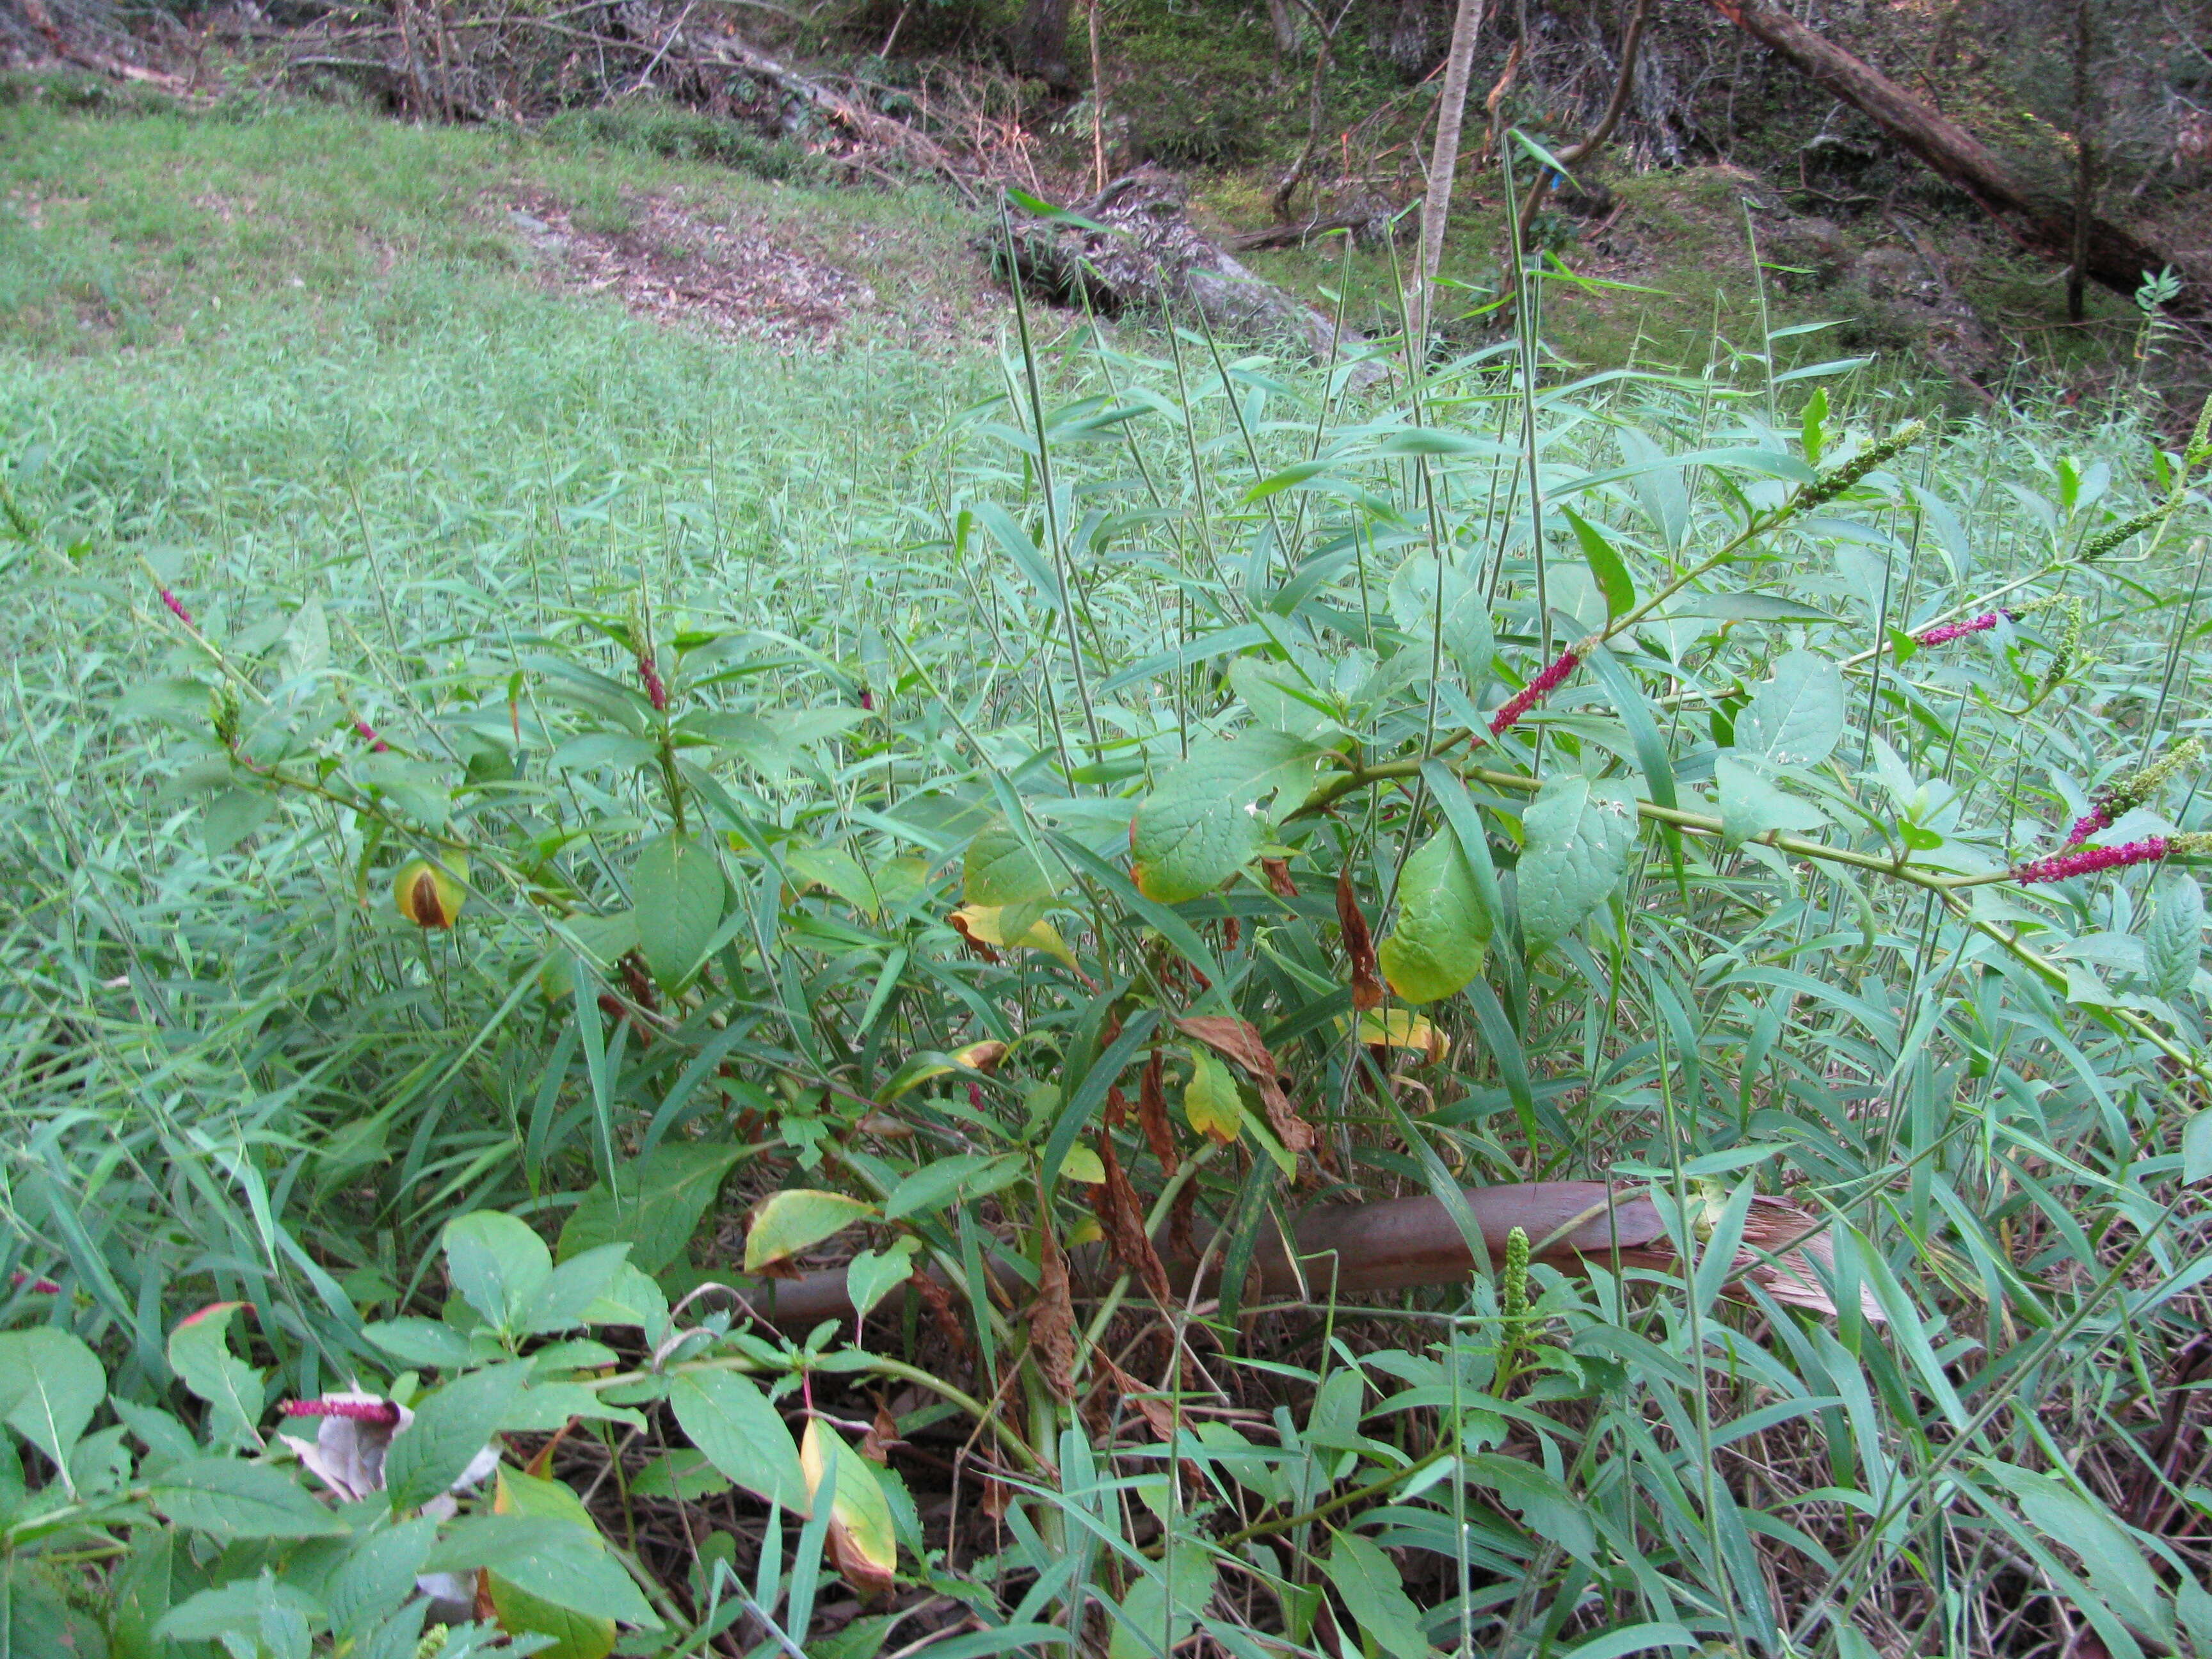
[(428, 894), (1209, 1099), (862, 1541), (1401, 1028), (786, 1223), (985, 924), (1082, 1164)]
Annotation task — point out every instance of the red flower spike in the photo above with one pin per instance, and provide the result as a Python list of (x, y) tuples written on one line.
[(657, 692), (1552, 677), (177, 608), (1950, 631), (2098, 818), (377, 746), (2087, 861)]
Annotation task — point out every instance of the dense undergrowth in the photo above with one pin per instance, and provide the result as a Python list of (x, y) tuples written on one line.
[(772, 733)]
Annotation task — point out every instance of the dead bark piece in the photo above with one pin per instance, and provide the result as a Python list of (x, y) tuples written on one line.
[(869, 127), (2113, 257), (1146, 256), (1403, 1243)]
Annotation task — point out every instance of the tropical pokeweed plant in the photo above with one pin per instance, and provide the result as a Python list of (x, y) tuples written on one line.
[(1464, 836)]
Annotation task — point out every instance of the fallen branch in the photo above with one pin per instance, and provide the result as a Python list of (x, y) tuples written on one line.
[(1143, 255), (1401, 1243), (2117, 258)]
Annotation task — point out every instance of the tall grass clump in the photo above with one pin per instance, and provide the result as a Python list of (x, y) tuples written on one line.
[(663, 1002)]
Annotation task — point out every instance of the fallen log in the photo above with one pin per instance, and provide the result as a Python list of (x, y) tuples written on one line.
[(2115, 258), (1144, 255), (1400, 1243)]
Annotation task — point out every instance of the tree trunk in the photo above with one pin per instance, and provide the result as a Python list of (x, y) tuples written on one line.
[(2115, 258), (2085, 165), (1444, 162), (1410, 46), (1283, 19), (1039, 43)]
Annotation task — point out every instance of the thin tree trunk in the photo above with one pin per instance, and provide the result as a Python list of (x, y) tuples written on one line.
[(1444, 162), (2085, 166), (1040, 43), (2115, 257), (1284, 20)]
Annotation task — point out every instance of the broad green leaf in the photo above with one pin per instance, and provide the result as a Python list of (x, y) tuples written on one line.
[(377, 1574), (241, 1607), (1752, 804), (1210, 1101), (575, 1635), (797, 1218), (232, 816), (1000, 868), (874, 1274), (232, 1498), (1374, 1594), (449, 1433), (1579, 836), (499, 1266), (2174, 939), (576, 1286), (1164, 1607), (54, 1384), (1469, 638), (734, 1427), (941, 1181), (1436, 943), (1795, 719), (632, 1299), (678, 888), (683, 1474), (420, 1342), (552, 1559), (1745, 607), (2197, 1146), (1541, 1500), (1204, 822), (199, 1353), (1605, 565), (1278, 695), (654, 1204)]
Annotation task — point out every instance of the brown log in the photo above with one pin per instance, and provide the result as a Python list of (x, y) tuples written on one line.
[(2114, 257), (1146, 256), (1400, 1243)]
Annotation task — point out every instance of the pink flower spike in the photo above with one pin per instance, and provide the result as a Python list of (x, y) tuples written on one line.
[(867, 700), (2097, 818), (381, 1412), (177, 608), (1552, 677), (1950, 631), (19, 1281), (2087, 861), (376, 744), (654, 691)]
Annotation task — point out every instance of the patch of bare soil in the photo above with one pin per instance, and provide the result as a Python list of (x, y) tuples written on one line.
[(737, 280)]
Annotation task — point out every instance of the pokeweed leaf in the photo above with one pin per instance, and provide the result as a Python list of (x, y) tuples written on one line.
[(2174, 939), (1001, 867), (1442, 929), (654, 1204), (735, 1428), (1467, 634), (677, 887), (199, 1353), (499, 1266), (1374, 1594), (1579, 836), (52, 1383), (1795, 719), (1203, 822)]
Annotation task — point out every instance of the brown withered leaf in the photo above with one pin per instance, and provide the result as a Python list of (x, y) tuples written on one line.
[(1052, 1320), (1358, 944), (938, 1299), (1239, 1040), (1150, 1406), (1279, 879), (1121, 1218), (1152, 1114), (883, 1434)]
